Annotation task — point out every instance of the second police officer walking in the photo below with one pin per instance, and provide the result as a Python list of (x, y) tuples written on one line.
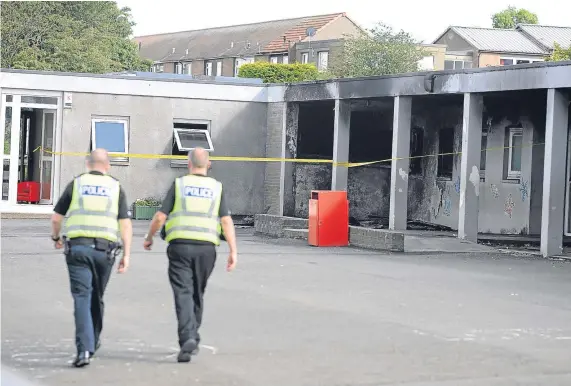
[(97, 211), (192, 212)]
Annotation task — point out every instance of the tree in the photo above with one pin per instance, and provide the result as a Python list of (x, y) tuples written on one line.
[(69, 36), (381, 52), (511, 16), (559, 53), (278, 73)]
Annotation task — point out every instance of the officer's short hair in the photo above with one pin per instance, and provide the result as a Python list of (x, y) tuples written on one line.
[(97, 155), (198, 157)]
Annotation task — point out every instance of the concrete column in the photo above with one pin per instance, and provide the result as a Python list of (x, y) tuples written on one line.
[(400, 163), (287, 169), (275, 147), (469, 167), (341, 131), (553, 208)]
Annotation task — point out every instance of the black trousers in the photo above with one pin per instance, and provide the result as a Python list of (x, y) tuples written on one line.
[(190, 266), (89, 272)]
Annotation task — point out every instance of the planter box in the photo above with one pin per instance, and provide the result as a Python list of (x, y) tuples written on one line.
[(144, 212)]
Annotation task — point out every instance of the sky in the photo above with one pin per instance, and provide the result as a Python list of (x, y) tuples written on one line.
[(425, 20)]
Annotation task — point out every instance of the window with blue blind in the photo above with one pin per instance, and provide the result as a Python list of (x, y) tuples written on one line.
[(110, 134)]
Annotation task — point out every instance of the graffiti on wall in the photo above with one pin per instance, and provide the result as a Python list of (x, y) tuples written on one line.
[(509, 206), (457, 185), (444, 204), (495, 191), (523, 188)]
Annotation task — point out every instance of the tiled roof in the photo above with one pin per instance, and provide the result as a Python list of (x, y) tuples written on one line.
[(547, 35), (231, 41), (298, 32)]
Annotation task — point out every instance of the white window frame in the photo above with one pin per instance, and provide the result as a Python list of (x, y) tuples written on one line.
[(240, 61), (176, 132), (514, 174), (274, 59), (321, 63), (187, 68), (178, 68), (285, 59), (304, 57), (125, 122), (219, 68), (531, 60), (454, 61), (208, 68), (159, 67)]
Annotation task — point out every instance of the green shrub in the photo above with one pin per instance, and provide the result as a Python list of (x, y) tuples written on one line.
[(279, 73), (149, 201)]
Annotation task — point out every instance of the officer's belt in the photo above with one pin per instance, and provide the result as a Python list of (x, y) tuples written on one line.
[(90, 241)]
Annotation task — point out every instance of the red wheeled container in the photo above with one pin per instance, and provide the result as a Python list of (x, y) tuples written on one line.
[(328, 219), (29, 191)]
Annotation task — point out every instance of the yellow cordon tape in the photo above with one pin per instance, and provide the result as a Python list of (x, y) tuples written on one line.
[(270, 159)]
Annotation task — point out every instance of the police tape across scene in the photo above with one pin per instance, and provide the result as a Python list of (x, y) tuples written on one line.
[(273, 159)]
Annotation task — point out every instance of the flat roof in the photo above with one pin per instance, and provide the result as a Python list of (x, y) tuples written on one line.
[(541, 75)]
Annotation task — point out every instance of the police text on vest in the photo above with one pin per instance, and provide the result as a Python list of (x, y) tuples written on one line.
[(196, 191), (95, 190)]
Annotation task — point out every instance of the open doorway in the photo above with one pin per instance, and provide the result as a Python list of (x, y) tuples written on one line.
[(35, 160)]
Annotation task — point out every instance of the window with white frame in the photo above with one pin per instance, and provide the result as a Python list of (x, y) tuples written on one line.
[(111, 134), (457, 64), (305, 58), (239, 62), (509, 61), (187, 68), (208, 69), (285, 59), (515, 142), (159, 67), (219, 68), (274, 59), (190, 134), (322, 60), (178, 68)]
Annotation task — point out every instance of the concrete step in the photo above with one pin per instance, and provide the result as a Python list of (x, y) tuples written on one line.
[(300, 234)]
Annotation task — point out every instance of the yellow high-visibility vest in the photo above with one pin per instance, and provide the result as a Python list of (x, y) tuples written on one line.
[(94, 208), (195, 211)]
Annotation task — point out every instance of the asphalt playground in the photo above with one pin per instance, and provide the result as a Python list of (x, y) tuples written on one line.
[(295, 315)]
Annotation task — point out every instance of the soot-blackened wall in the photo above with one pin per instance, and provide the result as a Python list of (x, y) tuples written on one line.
[(507, 205)]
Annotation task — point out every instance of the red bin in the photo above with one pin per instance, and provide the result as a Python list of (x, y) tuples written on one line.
[(29, 191), (328, 219)]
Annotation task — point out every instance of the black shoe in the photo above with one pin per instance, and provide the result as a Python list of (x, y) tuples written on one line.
[(81, 360), (187, 349)]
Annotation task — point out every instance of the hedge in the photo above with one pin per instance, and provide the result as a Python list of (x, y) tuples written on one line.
[(279, 73)]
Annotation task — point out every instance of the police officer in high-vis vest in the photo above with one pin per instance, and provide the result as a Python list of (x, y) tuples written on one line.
[(197, 213), (97, 211)]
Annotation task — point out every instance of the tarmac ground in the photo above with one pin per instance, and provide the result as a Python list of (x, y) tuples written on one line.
[(295, 315)]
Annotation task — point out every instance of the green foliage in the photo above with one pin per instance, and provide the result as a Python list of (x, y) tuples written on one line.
[(279, 73), (381, 52), (511, 16), (147, 202), (559, 53), (83, 36)]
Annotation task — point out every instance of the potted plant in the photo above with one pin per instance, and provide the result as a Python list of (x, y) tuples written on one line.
[(145, 208)]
